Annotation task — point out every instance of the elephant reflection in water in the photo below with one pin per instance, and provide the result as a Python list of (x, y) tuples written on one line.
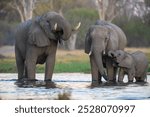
[(100, 39), (135, 65), (36, 43)]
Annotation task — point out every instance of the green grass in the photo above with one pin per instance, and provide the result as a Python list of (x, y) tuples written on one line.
[(72, 67), (66, 61), (69, 67), (9, 66)]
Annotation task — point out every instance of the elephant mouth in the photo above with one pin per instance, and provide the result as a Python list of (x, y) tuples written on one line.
[(115, 62), (60, 38), (59, 35)]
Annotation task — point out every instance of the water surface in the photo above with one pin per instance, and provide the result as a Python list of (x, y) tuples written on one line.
[(76, 85)]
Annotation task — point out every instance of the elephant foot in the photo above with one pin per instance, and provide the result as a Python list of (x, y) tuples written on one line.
[(22, 79), (121, 83), (130, 81), (50, 84), (139, 80), (48, 80), (94, 84), (112, 82), (32, 80), (26, 83)]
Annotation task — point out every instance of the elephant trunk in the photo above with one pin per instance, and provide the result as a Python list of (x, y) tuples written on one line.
[(111, 54), (66, 27), (68, 30), (98, 59)]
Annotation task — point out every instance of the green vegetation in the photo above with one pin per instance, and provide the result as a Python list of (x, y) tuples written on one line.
[(7, 65), (69, 67), (136, 31), (66, 61), (87, 17)]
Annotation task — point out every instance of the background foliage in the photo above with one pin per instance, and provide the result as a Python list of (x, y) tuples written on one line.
[(136, 28)]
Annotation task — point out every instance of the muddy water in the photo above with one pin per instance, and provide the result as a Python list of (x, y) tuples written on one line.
[(75, 85)]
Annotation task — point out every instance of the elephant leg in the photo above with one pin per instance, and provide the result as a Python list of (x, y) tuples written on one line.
[(130, 77), (121, 75), (143, 77), (25, 72), (31, 59), (96, 76), (50, 62), (20, 65), (140, 79), (115, 73), (31, 66), (110, 71), (49, 67)]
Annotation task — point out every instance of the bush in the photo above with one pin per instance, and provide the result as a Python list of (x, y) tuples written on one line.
[(6, 33), (87, 17), (137, 32)]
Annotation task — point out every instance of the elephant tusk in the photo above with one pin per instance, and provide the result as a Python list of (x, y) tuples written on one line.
[(90, 53), (104, 52), (55, 26), (78, 26)]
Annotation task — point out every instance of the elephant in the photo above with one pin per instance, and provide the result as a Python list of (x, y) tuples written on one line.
[(36, 43), (135, 65), (100, 38)]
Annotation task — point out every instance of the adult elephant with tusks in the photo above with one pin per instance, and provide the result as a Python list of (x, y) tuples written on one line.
[(100, 39), (36, 43)]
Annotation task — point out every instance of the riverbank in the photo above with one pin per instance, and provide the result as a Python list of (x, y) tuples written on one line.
[(66, 61)]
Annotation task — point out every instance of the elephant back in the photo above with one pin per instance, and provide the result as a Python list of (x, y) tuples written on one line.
[(121, 35), (140, 59), (22, 30)]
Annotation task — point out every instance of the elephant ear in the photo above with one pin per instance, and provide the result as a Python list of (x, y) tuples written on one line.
[(37, 36), (88, 42), (112, 42), (126, 62)]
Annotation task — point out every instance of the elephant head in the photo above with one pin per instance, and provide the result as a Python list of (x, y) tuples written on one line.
[(52, 26), (122, 58)]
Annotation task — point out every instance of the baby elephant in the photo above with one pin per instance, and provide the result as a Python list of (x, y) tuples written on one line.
[(135, 65)]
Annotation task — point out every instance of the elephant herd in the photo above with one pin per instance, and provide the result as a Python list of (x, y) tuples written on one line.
[(37, 40)]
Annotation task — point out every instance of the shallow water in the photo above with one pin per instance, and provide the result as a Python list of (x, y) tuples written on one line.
[(76, 85)]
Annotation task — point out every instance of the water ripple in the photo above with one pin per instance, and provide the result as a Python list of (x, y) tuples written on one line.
[(78, 86)]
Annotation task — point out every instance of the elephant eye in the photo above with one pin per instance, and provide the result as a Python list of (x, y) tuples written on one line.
[(119, 54), (48, 22)]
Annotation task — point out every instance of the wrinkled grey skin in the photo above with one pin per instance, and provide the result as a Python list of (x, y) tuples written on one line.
[(101, 38), (135, 65), (36, 43)]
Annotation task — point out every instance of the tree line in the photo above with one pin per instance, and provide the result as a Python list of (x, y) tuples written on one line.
[(133, 16)]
